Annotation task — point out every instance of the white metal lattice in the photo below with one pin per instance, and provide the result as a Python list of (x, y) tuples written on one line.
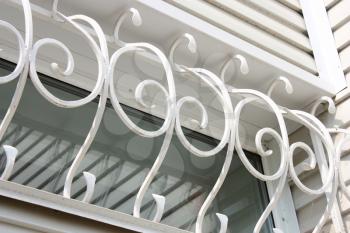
[(26, 64)]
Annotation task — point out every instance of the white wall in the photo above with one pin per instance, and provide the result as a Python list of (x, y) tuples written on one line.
[(339, 17), (21, 217)]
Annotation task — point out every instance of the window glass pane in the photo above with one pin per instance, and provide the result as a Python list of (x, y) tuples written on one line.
[(49, 137)]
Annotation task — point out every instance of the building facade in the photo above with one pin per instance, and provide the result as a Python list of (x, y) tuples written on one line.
[(174, 116)]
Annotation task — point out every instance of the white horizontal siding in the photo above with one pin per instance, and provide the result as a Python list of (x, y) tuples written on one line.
[(339, 14), (280, 12), (345, 58), (293, 4), (342, 36), (309, 208), (274, 25), (330, 3), (339, 18), (266, 22)]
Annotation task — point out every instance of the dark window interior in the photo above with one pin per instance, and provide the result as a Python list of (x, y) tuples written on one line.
[(49, 137)]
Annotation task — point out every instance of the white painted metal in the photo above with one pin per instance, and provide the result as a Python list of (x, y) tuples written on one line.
[(267, 67), (105, 86), (11, 153), (323, 166), (22, 71), (243, 66)]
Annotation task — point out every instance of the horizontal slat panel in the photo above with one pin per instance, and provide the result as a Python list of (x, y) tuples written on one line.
[(264, 22), (309, 217), (339, 14), (342, 36), (282, 13), (248, 32), (293, 4), (330, 3), (345, 59), (301, 200)]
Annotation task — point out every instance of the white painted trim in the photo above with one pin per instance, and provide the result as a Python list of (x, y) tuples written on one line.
[(323, 44), (78, 208)]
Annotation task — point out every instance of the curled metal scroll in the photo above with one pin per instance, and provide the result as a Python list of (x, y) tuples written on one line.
[(20, 70), (167, 127), (135, 18), (314, 125), (102, 79), (219, 88), (324, 99), (170, 97), (243, 65), (10, 153), (191, 45), (339, 150), (287, 85), (282, 141), (101, 88)]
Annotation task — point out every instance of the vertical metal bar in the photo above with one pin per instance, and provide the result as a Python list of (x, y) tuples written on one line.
[(323, 166)]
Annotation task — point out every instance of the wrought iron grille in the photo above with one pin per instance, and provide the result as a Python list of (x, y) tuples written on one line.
[(326, 153)]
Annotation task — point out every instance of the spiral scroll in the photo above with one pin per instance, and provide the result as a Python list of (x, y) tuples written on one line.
[(314, 125), (167, 126), (101, 52), (20, 70), (228, 137), (282, 141)]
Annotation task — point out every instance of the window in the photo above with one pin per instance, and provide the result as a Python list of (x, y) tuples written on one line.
[(48, 138)]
